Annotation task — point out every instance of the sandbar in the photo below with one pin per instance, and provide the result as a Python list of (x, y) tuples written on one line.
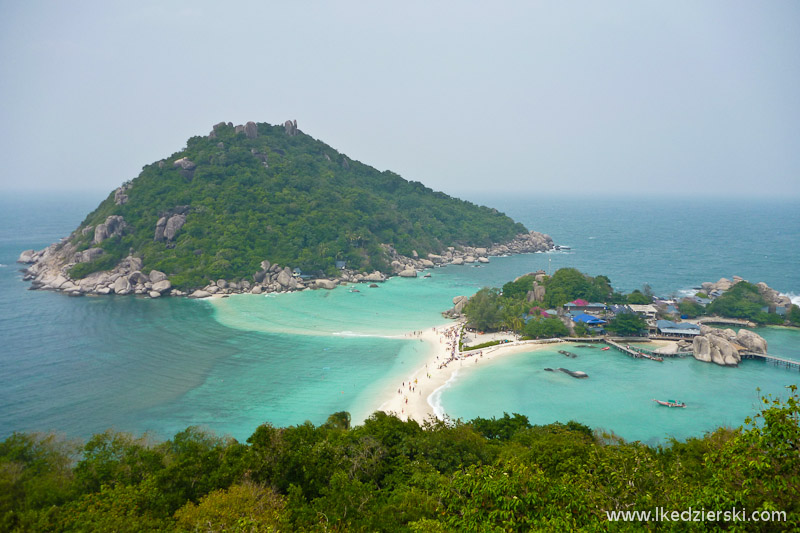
[(411, 398)]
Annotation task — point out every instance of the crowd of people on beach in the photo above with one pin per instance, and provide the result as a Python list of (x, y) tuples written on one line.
[(449, 338)]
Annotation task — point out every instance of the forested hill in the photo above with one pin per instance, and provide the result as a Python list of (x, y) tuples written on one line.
[(244, 194)]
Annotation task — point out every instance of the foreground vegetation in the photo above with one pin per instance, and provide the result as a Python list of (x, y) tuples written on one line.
[(292, 200), (389, 475)]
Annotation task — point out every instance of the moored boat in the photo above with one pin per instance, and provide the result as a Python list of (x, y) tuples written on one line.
[(669, 403)]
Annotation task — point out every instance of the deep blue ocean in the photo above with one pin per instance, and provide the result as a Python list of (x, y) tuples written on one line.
[(82, 365)]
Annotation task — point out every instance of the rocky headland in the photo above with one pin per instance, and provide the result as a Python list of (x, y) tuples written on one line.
[(49, 268), (244, 208)]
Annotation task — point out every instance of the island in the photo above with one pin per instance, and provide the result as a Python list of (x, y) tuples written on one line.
[(571, 304), (264, 208)]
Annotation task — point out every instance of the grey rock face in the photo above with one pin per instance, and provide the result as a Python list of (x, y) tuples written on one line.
[(120, 196), (114, 225), (88, 255), (251, 130), (156, 276), (122, 286), (200, 294), (285, 277), (408, 273), (752, 342), (184, 163), (137, 278), (174, 224), (375, 276), (160, 227), (162, 286), (325, 283), (290, 127)]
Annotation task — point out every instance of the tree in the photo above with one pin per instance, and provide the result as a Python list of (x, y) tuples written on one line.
[(483, 309), (638, 298), (625, 324), (545, 328), (690, 308), (793, 315), (340, 420), (519, 288), (242, 507)]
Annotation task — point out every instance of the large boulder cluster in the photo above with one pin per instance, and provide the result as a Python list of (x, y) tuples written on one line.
[(462, 255), (725, 346)]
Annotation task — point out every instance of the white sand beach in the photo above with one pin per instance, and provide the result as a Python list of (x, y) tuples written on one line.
[(411, 398)]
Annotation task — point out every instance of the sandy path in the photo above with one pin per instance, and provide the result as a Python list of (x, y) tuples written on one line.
[(411, 398)]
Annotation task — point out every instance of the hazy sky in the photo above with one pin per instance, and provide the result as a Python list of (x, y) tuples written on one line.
[(695, 97)]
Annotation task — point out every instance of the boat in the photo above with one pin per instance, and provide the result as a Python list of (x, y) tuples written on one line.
[(669, 403), (606, 348), (568, 354), (427, 275)]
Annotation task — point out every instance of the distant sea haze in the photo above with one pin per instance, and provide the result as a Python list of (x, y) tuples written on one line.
[(81, 365)]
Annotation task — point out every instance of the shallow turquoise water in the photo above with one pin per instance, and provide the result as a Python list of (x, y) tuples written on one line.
[(82, 365), (618, 394)]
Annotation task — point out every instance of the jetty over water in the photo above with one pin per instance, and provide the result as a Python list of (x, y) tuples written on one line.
[(636, 354), (778, 361), (728, 321)]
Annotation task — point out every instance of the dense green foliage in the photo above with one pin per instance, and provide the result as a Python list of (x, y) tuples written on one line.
[(743, 301), (793, 315), (626, 324), (545, 328), (638, 298), (498, 474), (310, 207), (484, 309), (568, 284), (690, 308)]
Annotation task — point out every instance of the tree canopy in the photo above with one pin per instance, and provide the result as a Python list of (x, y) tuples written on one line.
[(388, 475), (289, 199)]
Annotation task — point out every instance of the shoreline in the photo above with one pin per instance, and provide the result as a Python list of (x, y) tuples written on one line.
[(416, 398)]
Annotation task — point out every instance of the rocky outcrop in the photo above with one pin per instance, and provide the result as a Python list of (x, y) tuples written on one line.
[(88, 255), (120, 196), (751, 342), (184, 163), (325, 283), (458, 306), (408, 273), (186, 167), (27, 256), (251, 130), (113, 226), (291, 127), (773, 297), (174, 224), (725, 346), (170, 223), (715, 349)]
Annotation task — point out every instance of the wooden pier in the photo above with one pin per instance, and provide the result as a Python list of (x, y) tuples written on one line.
[(728, 321), (630, 352), (778, 361)]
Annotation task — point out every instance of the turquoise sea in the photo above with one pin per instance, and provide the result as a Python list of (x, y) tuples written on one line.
[(81, 365)]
